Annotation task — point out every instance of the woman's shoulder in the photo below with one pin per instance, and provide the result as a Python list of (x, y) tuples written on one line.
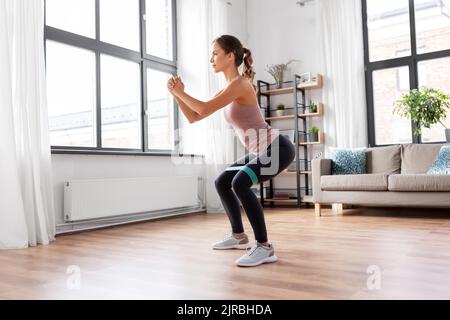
[(248, 92)]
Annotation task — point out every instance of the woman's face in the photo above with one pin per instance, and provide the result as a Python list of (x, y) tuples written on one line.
[(219, 60)]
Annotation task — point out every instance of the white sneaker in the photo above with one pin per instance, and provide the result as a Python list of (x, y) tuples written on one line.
[(257, 255), (231, 242)]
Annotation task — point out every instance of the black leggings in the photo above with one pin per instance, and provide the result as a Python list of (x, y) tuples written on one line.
[(237, 179)]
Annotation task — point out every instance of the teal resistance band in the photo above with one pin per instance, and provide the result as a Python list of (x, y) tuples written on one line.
[(247, 170)]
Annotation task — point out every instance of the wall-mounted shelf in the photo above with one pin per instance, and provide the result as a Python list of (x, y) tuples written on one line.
[(316, 83), (314, 114), (321, 140), (290, 116), (301, 115)]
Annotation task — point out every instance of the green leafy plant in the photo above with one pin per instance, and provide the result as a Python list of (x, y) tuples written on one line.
[(313, 130), (313, 107), (280, 106), (426, 106)]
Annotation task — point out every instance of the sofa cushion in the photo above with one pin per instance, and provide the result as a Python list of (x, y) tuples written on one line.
[(419, 182), (348, 161), (384, 159), (355, 182), (417, 158), (441, 164)]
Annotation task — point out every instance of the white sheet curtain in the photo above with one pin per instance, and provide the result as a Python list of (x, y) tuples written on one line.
[(342, 63), (26, 194), (200, 22)]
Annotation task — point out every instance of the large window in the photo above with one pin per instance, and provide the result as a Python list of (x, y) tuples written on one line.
[(107, 64), (407, 45)]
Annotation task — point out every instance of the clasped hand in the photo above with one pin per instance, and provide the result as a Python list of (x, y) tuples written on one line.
[(175, 85)]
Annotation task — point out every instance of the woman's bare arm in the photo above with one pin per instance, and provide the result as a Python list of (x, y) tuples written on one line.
[(191, 115), (230, 93)]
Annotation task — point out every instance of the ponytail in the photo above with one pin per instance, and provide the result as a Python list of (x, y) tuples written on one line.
[(249, 73)]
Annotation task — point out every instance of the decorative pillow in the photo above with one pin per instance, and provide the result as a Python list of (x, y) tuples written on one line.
[(386, 160), (348, 161), (441, 164)]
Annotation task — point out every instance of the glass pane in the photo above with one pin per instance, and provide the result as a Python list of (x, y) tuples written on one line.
[(388, 85), (76, 16), (121, 108), (432, 25), (119, 23), (160, 111), (388, 29), (159, 28), (435, 74), (70, 95)]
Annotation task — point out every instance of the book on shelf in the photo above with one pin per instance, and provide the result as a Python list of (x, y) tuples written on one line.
[(281, 195)]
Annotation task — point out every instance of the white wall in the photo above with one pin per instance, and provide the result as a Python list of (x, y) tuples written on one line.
[(237, 19), (279, 31)]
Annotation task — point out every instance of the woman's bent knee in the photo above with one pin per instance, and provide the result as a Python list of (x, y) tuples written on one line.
[(222, 182), (240, 182)]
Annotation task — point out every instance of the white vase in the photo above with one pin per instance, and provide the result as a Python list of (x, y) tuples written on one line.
[(279, 113)]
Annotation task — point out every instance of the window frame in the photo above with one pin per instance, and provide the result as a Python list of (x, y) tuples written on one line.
[(144, 60), (410, 61)]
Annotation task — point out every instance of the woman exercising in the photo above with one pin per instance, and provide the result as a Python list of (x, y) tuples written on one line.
[(269, 152)]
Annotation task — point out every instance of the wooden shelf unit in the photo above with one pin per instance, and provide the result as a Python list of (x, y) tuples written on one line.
[(303, 191)]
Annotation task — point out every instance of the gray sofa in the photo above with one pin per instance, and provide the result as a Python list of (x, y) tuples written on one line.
[(396, 177)]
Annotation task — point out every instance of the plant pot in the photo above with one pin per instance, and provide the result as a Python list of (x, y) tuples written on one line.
[(447, 135), (279, 113), (302, 137), (313, 136)]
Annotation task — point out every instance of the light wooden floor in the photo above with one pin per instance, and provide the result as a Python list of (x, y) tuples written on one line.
[(320, 258)]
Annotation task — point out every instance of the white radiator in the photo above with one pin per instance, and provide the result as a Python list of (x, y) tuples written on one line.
[(100, 198)]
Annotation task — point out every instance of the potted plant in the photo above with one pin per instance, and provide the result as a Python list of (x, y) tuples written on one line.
[(426, 107), (313, 134), (280, 110), (311, 108)]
